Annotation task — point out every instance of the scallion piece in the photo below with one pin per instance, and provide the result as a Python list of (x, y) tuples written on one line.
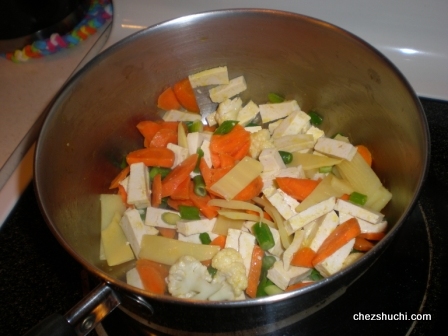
[(315, 275), (286, 156), (195, 126), (199, 185), (316, 119), (251, 124), (275, 98), (267, 262), (170, 218), (325, 169), (212, 271), (158, 170), (263, 235), (272, 290), (200, 153), (357, 198), (189, 212), (226, 127), (204, 237)]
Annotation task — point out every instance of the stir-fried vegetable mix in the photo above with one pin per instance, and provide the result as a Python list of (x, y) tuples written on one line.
[(254, 201)]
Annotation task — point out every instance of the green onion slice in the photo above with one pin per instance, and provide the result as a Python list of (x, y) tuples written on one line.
[(199, 185), (204, 237), (189, 212), (316, 119), (357, 198), (275, 98), (286, 156), (170, 218), (263, 235), (226, 127)]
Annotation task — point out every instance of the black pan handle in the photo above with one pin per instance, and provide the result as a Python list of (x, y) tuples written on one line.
[(82, 318)]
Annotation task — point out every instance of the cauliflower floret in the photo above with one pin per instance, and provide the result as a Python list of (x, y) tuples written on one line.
[(258, 141), (230, 263), (188, 278)]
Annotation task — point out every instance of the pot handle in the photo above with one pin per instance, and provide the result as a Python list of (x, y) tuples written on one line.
[(83, 317)]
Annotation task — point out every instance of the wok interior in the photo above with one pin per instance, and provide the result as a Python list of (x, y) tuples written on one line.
[(91, 126)]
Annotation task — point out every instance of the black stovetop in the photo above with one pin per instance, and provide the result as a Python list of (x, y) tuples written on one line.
[(38, 277)]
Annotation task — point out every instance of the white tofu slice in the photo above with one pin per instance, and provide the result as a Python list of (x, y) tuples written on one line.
[(214, 76), (134, 229), (222, 92), (273, 125), (335, 262), (154, 218), (194, 238), (139, 192), (133, 278), (365, 226), (211, 119), (246, 243), (115, 244), (312, 213), (294, 143), (299, 236), (326, 224), (271, 112), (357, 211), (296, 172), (271, 160), (284, 278), (189, 227), (228, 110), (176, 115), (180, 153), (207, 155), (315, 132), (124, 183), (232, 240), (247, 113), (297, 122), (285, 206), (335, 148)]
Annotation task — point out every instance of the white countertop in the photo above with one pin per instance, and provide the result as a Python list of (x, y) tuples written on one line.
[(413, 34)]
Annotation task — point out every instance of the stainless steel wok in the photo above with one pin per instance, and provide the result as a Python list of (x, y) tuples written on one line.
[(90, 126)]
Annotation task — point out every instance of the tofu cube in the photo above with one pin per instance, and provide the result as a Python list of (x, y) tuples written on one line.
[(189, 227), (294, 143), (247, 113), (284, 204), (326, 224), (222, 92), (299, 236), (180, 153), (194, 238), (271, 112), (335, 148), (271, 160), (357, 211), (297, 122), (139, 192), (214, 76), (284, 278), (228, 110), (335, 262), (134, 229), (154, 218), (365, 226)]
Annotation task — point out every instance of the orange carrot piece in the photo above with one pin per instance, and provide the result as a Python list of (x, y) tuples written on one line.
[(365, 153), (163, 137), (226, 160), (152, 275), (251, 190), (219, 241), (254, 271), (185, 95), (234, 143), (303, 257), (362, 244), (345, 197), (297, 286), (207, 262), (182, 192), (156, 192), (123, 194), (206, 172), (243, 151), (172, 125), (167, 100), (208, 128), (152, 157), (201, 202), (166, 232), (178, 174), (216, 162), (375, 236), (174, 204), (120, 177), (295, 187), (340, 236), (148, 129)]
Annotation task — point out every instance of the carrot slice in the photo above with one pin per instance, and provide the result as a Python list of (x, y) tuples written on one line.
[(340, 236), (251, 190), (365, 153), (303, 257), (166, 232), (152, 275), (152, 157), (123, 194), (297, 286), (236, 143), (174, 204), (168, 100), (226, 160), (295, 187), (178, 175), (345, 197), (156, 192), (219, 241), (201, 202), (254, 271), (185, 95), (120, 177), (206, 172), (362, 244), (172, 125), (375, 236), (148, 129), (207, 262), (163, 137), (182, 192)]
